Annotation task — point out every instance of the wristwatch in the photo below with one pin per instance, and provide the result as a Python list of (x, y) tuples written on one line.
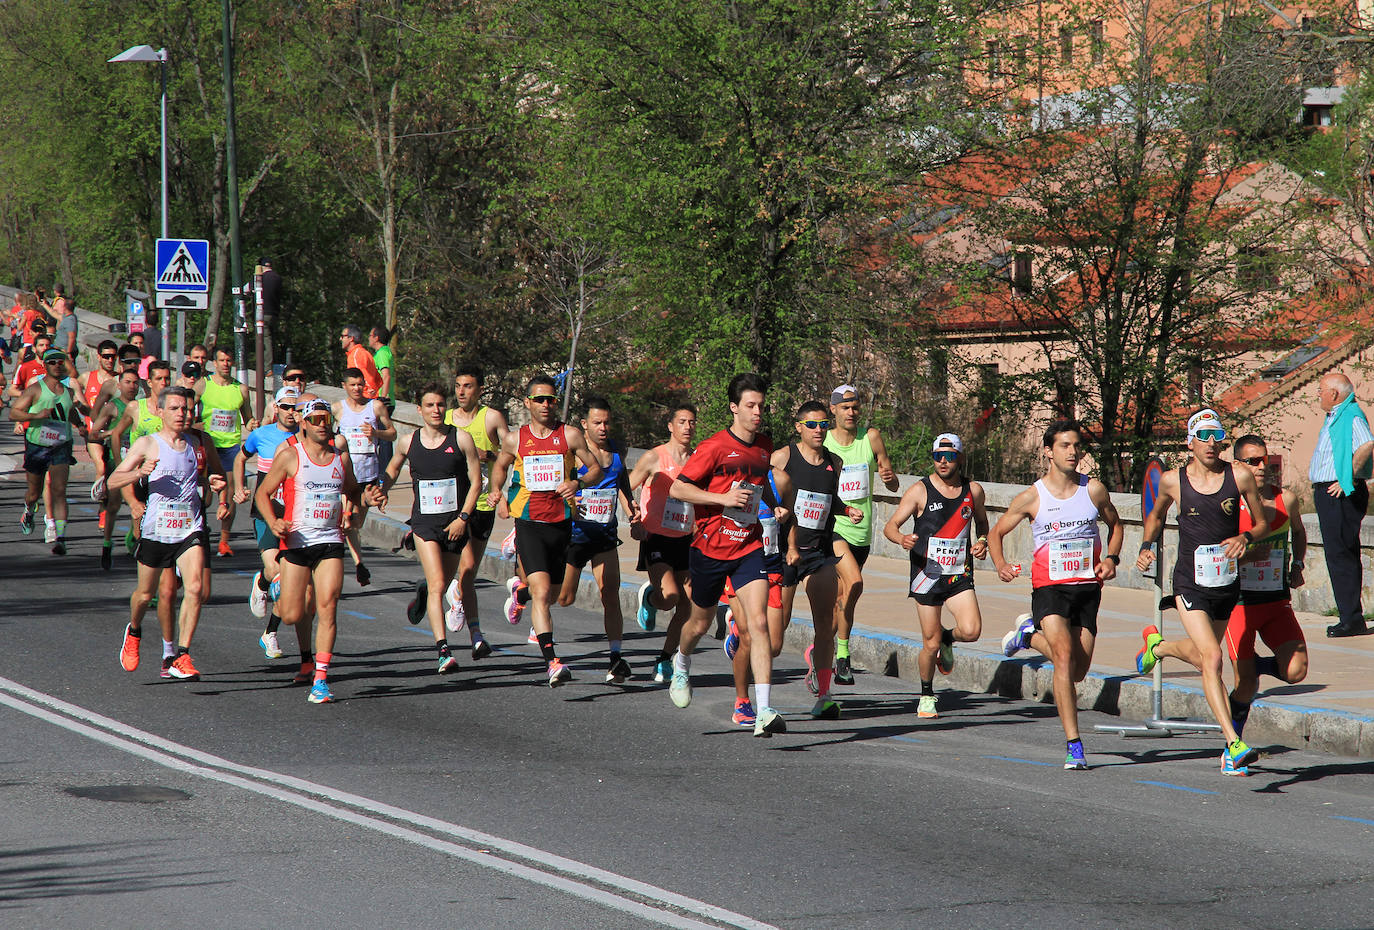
[(464, 515), (1295, 565), (1116, 559)]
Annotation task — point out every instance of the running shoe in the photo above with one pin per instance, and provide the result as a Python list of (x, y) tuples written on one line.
[(274, 590), (167, 666), (106, 558), (1020, 636), (304, 675), (647, 615), (533, 638), (26, 522), (363, 576), (1240, 755), (224, 551), (769, 722), (811, 684), (825, 709), (100, 523), (98, 490), (480, 649), (680, 688), (744, 713), (663, 672), (130, 543), (1230, 768), (1074, 761), (844, 672), (456, 617), (925, 707), (184, 668), (49, 533), (270, 647), (320, 693), (257, 597), (944, 659), (447, 664), (59, 546), (128, 650), (415, 610), (618, 673), (508, 547), (731, 644), (1145, 659), (559, 674)]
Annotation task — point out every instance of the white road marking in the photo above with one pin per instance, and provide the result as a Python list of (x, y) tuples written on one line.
[(300, 791)]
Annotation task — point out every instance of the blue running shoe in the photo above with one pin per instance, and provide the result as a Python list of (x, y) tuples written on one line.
[(26, 522), (1074, 761), (744, 713), (731, 644), (1230, 768), (1019, 638), (320, 693), (647, 615), (274, 589), (663, 672)]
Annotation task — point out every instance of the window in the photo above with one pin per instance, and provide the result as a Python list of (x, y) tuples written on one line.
[(994, 52), (989, 385), (1316, 115), (1021, 278), (1065, 46), (939, 372), (1099, 41)]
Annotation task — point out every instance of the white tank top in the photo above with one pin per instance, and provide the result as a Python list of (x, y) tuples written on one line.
[(314, 501), (363, 451), (174, 504), (1067, 546)]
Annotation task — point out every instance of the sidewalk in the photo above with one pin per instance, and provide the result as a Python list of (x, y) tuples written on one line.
[(1332, 711)]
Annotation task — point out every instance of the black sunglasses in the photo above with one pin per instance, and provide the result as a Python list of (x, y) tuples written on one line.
[(1255, 460)]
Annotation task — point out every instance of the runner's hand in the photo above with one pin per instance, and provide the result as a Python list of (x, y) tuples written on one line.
[(148, 467), (1007, 573), (979, 550), (223, 510), (1295, 578), (136, 510), (241, 496), (217, 483), (279, 526), (909, 541), (1144, 560), (793, 556), (568, 490), (1106, 570), (738, 497), (1235, 546), (637, 532), (781, 514), (493, 498), (886, 473), (456, 529), (855, 514)]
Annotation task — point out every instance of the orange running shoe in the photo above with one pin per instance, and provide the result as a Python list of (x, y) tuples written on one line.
[(306, 674), (128, 652), (184, 668), (101, 522), (224, 550)]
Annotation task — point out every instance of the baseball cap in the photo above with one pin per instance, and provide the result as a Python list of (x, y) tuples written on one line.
[(192, 370), (947, 441), (54, 355), (286, 394), (841, 393), (1205, 418)]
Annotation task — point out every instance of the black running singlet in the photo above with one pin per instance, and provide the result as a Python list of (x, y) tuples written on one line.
[(1204, 520), (441, 481), (817, 495)]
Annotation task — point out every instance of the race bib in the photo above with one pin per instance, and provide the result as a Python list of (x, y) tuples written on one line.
[(598, 505), (747, 515), (1071, 560), (951, 555), (224, 421), (321, 509), (813, 509), (173, 521), (358, 444), (677, 515), (1264, 574), (854, 482), (439, 495), (770, 535), (50, 434), (1212, 568), (543, 472)]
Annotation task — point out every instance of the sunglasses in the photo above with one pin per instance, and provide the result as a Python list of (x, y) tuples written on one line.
[(945, 456), (1210, 435), (293, 377), (108, 355), (288, 407), (544, 398), (320, 419), (1255, 460), (815, 424), (53, 361)]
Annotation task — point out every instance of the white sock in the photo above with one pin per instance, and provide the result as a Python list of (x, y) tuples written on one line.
[(681, 663), (169, 650), (763, 693)]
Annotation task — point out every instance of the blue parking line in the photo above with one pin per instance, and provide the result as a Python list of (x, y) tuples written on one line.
[(1165, 784), (1353, 819), (354, 613), (1023, 761), (908, 739)]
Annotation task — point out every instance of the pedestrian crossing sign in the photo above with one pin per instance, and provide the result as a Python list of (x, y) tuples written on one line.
[(183, 265)]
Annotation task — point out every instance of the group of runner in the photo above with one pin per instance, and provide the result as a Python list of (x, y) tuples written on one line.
[(732, 520)]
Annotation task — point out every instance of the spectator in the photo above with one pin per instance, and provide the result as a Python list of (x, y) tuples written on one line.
[(379, 339), (357, 356), (1340, 467), (64, 333)]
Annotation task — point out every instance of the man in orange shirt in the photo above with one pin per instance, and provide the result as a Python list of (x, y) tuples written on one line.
[(357, 356)]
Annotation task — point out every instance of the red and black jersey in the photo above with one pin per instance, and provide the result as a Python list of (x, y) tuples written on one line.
[(942, 534), (719, 464)]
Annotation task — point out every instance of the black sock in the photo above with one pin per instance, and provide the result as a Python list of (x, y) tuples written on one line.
[(1268, 665), (928, 689), (263, 583), (546, 646), (664, 656), (441, 646), (135, 633), (273, 622), (947, 637), (307, 658), (615, 657), (1239, 712), (183, 650), (522, 596)]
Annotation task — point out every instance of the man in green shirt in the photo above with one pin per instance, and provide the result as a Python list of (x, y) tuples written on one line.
[(379, 341), (225, 408)]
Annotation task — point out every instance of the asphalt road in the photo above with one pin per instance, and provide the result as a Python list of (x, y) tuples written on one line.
[(488, 799)]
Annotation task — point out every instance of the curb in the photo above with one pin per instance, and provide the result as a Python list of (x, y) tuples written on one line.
[(1117, 694)]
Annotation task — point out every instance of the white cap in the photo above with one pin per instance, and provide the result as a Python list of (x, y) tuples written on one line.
[(947, 441), (287, 393), (840, 394), (1205, 418)]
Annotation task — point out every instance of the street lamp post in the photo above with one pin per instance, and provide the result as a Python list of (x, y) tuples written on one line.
[(159, 55)]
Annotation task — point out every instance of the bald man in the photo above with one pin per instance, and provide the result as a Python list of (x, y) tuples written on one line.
[(1339, 472)]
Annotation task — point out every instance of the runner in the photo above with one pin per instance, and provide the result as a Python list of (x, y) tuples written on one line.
[(263, 443), (32, 368), (664, 532), (1266, 607), (173, 531), (1068, 569), (543, 493), (101, 432), (225, 408), (487, 427), (316, 478), (1209, 493), (861, 456), (723, 481), (363, 424), (815, 474), (107, 354), (200, 355), (595, 531), (50, 411), (448, 479), (942, 506)]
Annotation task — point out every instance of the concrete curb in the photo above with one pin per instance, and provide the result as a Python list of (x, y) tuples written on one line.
[(1115, 693)]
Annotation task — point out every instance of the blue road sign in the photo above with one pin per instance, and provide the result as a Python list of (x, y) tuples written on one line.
[(183, 265)]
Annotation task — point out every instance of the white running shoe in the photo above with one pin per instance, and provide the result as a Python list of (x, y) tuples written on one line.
[(456, 617), (50, 532), (257, 597), (270, 647), (508, 547), (98, 490)]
